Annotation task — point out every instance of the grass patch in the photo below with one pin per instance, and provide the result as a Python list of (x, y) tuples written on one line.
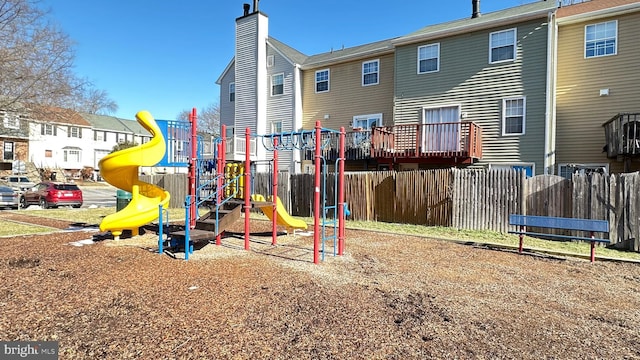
[(95, 216), (90, 215), (10, 228)]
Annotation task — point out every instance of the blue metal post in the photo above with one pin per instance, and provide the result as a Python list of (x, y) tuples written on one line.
[(187, 227), (160, 229)]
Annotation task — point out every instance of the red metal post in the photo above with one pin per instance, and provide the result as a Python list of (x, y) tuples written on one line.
[(316, 197), (341, 203), (247, 187), (593, 247), (193, 119), (274, 192)]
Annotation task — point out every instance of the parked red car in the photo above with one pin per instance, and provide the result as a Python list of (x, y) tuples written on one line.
[(52, 194)]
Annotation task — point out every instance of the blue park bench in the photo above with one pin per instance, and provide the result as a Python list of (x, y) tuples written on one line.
[(552, 222)]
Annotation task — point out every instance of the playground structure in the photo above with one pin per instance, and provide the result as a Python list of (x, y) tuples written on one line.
[(226, 189), (120, 169), (234, 194)]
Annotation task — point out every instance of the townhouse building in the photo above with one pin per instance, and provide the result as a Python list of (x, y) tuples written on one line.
[(71, 144), (508, 89), (471, 92), (58, 140), (596, 101), (14, 140)]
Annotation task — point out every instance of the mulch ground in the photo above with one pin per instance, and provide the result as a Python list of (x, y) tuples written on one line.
[(389, 297)]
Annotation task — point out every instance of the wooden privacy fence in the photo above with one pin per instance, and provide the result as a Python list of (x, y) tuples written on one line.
[(464, 199)]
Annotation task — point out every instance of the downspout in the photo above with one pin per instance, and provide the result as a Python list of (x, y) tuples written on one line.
[(550, 111), (296, 159)]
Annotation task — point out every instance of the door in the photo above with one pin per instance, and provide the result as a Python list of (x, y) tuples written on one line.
[(362, 125), (441, 129)]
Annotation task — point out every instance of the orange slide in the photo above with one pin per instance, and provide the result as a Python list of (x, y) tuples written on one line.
[(120, 169)]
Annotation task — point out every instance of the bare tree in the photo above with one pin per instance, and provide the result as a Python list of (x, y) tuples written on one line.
[(36, 62), (94, 101), (208, 119)]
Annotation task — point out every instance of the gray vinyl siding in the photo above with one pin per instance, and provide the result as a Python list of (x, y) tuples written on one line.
[(347, 97), (246, 64), (227, 108), (580, 110), (467, 79), (281, 107)]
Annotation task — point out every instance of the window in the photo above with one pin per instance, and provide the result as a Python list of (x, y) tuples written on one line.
[(322, 80), (277, 84), (232, 92), (600, 39), (8, 151), (270, 61), (48, 129), (428, 58), (276, 127), (48, 153), (11, 121), (230, 132), (71, 155), (74, 131), (513, 116), (566, 170), (363, 125), (122, 138), (370, 72), (441, 129), (100, 135), (502, 46)]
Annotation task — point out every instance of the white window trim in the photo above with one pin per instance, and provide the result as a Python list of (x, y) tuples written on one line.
[(363, 74), (524, 115), (438, 59), (615, 52), (270, 60), (273, 126), (328, 81), (76, 130), (234, 91), (11, 121), (586, 165), (271, 87), (368, 116), (515, 41)]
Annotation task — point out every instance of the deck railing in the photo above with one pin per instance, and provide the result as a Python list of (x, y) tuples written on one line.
[(453, 142), (622, 135)]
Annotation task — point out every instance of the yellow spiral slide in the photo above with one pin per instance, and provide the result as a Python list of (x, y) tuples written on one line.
[(120, 169)]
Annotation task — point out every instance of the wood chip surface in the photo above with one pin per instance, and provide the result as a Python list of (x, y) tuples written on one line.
[(389, 297)]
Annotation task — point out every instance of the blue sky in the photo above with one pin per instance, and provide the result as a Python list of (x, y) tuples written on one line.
[(165, 56)]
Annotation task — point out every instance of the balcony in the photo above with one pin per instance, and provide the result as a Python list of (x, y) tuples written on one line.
[(444, 143), (622, 135)]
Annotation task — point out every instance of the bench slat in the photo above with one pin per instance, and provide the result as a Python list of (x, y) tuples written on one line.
[(560, 236), (559, 223)]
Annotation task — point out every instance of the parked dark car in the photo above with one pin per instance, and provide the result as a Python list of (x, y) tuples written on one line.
[(18, 182), (52, 194), (9, 198)]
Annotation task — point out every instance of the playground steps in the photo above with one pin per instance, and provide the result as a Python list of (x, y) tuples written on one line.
[(205, 229), (225, 219)]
